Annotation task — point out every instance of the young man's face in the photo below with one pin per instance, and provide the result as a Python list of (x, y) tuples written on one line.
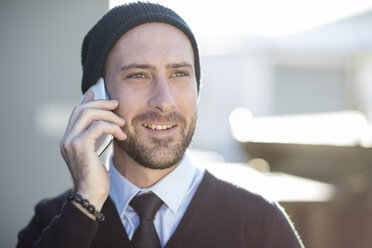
[(151, 72)]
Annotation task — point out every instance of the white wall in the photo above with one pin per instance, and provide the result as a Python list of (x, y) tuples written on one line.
[(39, 67)]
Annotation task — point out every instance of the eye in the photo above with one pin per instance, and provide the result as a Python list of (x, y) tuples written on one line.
[(180, 74), (137, 75)]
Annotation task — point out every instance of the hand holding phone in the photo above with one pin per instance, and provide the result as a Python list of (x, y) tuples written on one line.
[(100, 92), (85, 136)]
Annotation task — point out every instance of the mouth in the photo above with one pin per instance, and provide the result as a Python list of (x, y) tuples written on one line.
[(158, 127)]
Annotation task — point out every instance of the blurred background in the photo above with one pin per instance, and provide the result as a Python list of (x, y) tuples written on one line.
[(285, 107)]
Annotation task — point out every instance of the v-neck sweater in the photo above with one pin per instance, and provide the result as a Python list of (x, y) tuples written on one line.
[(185, 176), (219, 215)]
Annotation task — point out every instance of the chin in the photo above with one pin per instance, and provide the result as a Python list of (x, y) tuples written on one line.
[(155, 157), (161, 159)]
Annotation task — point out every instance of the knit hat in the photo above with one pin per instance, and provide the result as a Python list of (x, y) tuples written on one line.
[(102, 37)]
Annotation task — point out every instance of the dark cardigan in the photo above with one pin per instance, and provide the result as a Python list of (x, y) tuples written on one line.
[(219, 215)]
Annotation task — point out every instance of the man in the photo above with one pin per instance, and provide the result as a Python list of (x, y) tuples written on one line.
[(152, 195)]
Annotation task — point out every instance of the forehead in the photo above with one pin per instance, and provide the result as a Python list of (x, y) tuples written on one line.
[(152, 41)]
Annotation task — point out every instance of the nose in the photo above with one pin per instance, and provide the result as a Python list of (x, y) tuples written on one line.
[(161, 96)]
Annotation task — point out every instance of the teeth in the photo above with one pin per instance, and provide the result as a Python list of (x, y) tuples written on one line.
[(158, 127)]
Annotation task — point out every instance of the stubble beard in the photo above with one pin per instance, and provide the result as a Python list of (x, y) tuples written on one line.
[(155, 153)]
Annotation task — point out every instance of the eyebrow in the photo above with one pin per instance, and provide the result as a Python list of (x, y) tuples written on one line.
[(136, 66), (147, 66), (178, 65)]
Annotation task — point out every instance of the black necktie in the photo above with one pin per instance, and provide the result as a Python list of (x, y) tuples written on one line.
[(146, 206)]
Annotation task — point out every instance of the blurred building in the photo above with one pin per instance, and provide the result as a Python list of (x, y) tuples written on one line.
[(325, 69), (332, 148), (323, 72)]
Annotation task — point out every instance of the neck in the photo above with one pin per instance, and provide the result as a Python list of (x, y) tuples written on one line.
[(137, 174)]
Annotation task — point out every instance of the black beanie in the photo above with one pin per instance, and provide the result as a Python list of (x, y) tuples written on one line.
[(102, 37)]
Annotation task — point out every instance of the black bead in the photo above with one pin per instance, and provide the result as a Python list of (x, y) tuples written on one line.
[(91, 209), (78, 198), (70, 197), (85, 203), (101, 217)]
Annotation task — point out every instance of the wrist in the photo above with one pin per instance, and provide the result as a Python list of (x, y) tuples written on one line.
[(96, 199), (86, 207)]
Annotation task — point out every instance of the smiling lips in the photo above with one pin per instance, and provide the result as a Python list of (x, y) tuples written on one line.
[(158, 127)]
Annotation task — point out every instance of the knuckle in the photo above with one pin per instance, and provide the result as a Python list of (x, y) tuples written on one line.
[(75, 143), (97, 124), (62, 145), (105, 126), (85, 112), (76, 109), (67, 145), (101, 124)]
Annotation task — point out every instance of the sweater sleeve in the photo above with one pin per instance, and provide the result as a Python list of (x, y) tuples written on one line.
[(49, 227), (281, 232)]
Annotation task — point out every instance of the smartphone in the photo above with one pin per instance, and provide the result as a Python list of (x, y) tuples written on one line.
[(100, 92)]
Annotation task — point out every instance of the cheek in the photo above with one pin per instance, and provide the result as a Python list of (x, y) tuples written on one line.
[(187, 104), (131, 103)]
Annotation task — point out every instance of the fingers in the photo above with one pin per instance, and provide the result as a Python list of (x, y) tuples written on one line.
[(87, 116), (89, 104), (90, 119), (101, 127), (102, 104)]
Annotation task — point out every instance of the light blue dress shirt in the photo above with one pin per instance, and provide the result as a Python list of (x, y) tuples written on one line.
[(175, 189)]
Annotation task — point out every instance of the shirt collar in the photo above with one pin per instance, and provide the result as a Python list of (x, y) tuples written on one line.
[(173, 187), (122, 190)]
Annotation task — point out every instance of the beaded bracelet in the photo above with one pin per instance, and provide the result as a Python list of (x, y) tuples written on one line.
[(85, 203)]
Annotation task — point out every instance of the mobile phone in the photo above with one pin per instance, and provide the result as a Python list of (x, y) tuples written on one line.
[(100, 92)]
